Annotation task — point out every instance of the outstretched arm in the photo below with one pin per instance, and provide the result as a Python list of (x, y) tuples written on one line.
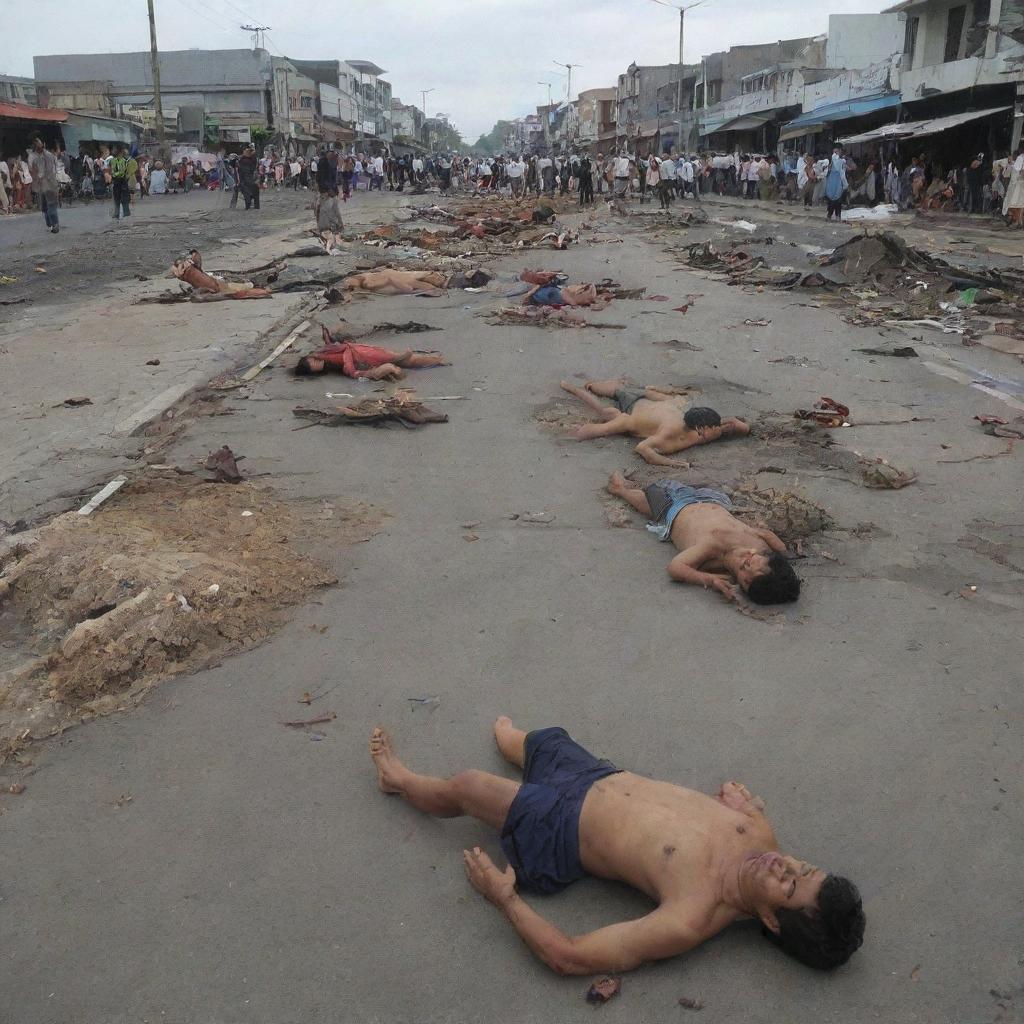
[(619, 947), (655, 449)]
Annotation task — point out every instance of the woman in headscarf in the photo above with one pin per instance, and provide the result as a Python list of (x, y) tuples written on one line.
[(835, 185)]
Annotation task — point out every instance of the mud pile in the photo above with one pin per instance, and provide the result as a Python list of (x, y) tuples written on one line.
[(167, 577)]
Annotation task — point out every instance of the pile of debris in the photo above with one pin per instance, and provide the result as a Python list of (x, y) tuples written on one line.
[(168, 576)]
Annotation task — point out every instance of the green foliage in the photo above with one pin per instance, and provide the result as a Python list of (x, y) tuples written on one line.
[(493, 142)]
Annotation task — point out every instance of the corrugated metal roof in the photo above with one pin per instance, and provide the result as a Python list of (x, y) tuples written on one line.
[(25, 112), (182, 69), (916, 129)]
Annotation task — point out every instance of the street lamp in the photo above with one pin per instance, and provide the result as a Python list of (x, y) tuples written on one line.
[(424, 93), (547, 116), (682, 9)]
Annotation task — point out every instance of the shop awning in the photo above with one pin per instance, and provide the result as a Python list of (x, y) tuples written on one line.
[(832, 112), (25, 112), (746, 123), (917, 129), (801, 130)]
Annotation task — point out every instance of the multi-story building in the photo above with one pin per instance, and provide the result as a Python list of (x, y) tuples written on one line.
[(637, 117), (217, 95), (963, 57), (15, 89), (335, 102), (374, 102), (596, 119)]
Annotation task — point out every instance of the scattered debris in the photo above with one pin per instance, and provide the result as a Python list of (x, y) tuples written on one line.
[(223, 463), (756, 323), (16, 788), (74, 403), (431, 703), (603, 989), (302, 723), (882, 475), (905, 352), (680, 346), (827, 412), (152, 362), (402, 408), (253, 371), (690, 1004), (533, 517)]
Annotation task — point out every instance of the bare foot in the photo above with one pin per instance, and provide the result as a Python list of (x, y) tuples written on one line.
[(511, 741), (389, 768), (567, 386), (616, 484)]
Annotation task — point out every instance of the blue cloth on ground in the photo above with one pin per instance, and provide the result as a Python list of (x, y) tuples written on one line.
[(668, 498), (549, 295), (541, 835)]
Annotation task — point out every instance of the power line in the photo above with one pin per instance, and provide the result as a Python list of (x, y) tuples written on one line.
[(219, 24)]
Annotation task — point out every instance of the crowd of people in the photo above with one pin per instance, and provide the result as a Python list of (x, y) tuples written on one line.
[(980, 186)]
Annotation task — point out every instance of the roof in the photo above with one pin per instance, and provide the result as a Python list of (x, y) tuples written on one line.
[(746, 123), (905, 6), (916, 129), (191, 70), (366, 66), (24, 112)]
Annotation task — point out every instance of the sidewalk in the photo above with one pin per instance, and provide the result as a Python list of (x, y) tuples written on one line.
[(103, 348)]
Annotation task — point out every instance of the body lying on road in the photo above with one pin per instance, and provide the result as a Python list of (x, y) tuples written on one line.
[(567, 295), (660, 418), (397, 282), (705, 861), (715, 548), (369, 361)]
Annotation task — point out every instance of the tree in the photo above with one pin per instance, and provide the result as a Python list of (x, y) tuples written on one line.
[(493, 142)]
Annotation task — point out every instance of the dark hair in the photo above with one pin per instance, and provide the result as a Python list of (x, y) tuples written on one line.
[(700, 418), (303, 369), (777, 585), (828, 936)]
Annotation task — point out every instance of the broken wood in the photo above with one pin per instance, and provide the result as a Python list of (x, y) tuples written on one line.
[(101, 496)]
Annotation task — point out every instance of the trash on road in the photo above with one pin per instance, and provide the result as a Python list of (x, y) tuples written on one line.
[(690, 1004), (223, 463), (827, 412), (302, 723), (903, 352), (603, 989), (403, 409)]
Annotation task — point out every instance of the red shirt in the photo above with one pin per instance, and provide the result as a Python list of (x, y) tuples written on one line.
[(351, 359)]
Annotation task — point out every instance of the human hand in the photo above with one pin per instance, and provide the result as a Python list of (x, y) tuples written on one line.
[(484, 876), (724, 587)]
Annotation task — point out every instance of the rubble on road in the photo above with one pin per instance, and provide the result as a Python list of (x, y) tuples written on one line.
[(167, 577), (403, 408)]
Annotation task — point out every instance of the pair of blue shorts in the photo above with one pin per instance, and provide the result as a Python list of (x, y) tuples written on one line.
[(668, 498), (541, 835), (549, 295)]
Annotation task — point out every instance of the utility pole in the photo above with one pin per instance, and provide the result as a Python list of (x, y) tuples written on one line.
[(682, 9), (424, 93), (259, 33), (568, 84), (158, 104)]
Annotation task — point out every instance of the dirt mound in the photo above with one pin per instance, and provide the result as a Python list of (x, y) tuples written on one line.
[(167, 577), (785, 513)]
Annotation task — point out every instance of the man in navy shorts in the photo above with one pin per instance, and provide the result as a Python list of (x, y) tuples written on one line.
[(704, 861)]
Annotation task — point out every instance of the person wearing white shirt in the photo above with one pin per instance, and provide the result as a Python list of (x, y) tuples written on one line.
[(684, 176), (621, 172), (377, 178), (417, 168), (516, 169)]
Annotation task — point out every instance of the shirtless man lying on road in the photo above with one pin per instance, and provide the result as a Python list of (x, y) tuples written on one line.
[(397, 282), (368, 361), (567, 295), (660, 418), (705, 861), (714, 547)]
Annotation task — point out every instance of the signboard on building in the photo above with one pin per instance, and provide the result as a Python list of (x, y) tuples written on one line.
[(146, 116), (369, 127)]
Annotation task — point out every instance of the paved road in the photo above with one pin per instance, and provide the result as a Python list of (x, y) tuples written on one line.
[(260, 877)]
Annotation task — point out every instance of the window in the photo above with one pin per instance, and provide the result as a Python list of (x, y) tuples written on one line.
[(306, 102), (910, 39), (954, 30), (982, 10)]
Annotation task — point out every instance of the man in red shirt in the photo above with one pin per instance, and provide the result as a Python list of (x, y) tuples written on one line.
[(368, 361)]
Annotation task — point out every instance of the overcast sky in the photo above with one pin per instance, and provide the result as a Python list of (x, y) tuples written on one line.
[(483, 58)]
